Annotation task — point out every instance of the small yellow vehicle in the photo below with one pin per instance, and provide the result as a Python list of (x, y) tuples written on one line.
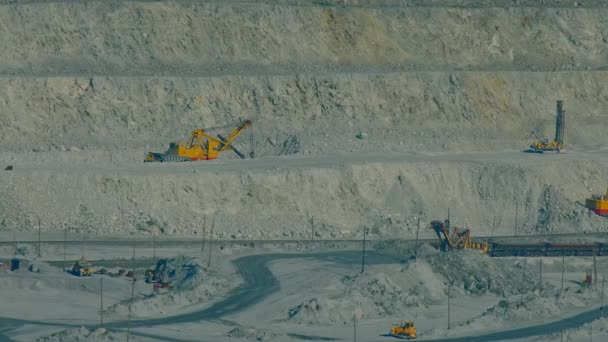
[(405, 331)]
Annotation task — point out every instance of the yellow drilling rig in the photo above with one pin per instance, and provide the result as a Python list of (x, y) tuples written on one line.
[(557, 145)]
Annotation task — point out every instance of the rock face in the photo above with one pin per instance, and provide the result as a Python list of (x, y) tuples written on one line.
[(87, 89)]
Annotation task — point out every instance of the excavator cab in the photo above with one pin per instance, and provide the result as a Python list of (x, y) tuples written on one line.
[(405, 330)]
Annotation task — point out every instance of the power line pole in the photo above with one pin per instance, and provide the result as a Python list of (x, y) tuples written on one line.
[(363, 251), (312, 228), (602, 297), (516, 214), (493, 226), (65, 242), (540, 270), (82, 242), (211, 242), (449, 308), (594, 269), (521, 301), (416, 246), (14, 243), (130, 303), (39, 246), (355, 326), (563, 264), (101, 301), (154, 246), (204, 232)]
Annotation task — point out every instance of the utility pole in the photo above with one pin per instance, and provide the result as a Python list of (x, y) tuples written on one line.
[(312, 228), (82, 242), (363, 251), (130, 303), (449, 224), (602, 297), (540, 271), (355, 326), (493, 227), (101, 302), (563, 264), (521, 301), (65, 242), (449, 308), (594, 268), (204, 232), (154, 246), (14, 243), (211, 242), (516, 214), (39, 246), (417, 230)]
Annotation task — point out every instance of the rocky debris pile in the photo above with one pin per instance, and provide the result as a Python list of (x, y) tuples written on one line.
[(181, 272), (291, 145), (84, 334), (189, 285), (558, 214), (476, 273), (412, 288)]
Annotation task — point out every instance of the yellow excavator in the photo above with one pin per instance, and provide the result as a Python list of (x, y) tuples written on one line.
[(202, 146), (404, 331), (557, 145), (451, 238), (82, 268)]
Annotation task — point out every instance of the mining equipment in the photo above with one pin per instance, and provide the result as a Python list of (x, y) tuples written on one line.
[(598, 204), (82, 268), (150, 276), (455, 238), (557, 145), (201, 146), (405, 331)]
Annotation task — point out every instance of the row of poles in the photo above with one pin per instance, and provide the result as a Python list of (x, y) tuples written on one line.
[(311, 221), (133, 269), (524, 271)]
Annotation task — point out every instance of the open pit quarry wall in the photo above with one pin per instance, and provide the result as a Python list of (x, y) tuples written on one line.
[(94, 85), (277, 202)]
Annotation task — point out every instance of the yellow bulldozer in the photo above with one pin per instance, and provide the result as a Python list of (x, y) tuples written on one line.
[(201, 146), (405, 331), (82, 268)]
